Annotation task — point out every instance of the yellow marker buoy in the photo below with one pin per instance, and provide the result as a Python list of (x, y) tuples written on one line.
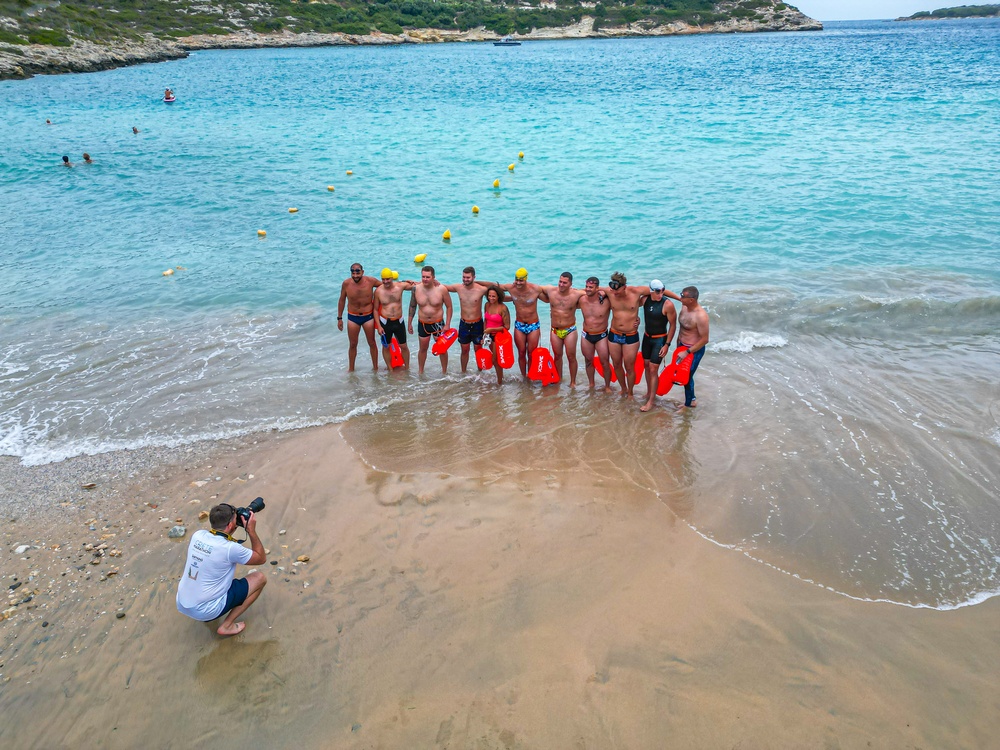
[(420, 258), (293, 210), (475, 209), (349, 172), (510, 167), (261, 233), (496, 183), (169, 272), (395, 275), (447, 235), (520, 154), (330, 188)]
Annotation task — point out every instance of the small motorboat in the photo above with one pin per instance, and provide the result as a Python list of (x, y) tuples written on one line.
[(507, 41)]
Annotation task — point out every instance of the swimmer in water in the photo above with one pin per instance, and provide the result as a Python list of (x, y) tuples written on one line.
[(87, 159), (67, 162)]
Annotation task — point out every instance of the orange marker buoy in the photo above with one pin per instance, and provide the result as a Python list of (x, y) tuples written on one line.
[(543, 367), (600, 369), (395, 354), (445, 340), (673, 373), (505, 349), (484, 358)]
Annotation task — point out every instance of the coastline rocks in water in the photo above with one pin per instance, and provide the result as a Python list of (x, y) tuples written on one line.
[(83, 57), (177, 532)]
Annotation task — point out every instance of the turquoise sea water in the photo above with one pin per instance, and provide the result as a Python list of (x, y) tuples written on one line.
[(834, 195)]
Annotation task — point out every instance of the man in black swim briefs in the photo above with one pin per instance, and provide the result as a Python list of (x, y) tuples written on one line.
[(357, 294), (623, 337), (596, 311)]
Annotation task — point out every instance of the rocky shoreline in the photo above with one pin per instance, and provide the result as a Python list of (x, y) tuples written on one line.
[(86, 57)]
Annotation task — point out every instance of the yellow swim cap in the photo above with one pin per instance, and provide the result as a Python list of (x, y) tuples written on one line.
[(521, 273), (386, 273)]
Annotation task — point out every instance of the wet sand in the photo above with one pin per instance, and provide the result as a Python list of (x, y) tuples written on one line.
[(535, 610)]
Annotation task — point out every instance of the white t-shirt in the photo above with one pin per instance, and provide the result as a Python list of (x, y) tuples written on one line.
[(210, 569)]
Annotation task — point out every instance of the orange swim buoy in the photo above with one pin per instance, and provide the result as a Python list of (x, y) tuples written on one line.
[(682, 372), (395, 354), (640, 367), (484, 358), (445, 340), (673, 374), (505, 349), (600, 369), (543, 367)]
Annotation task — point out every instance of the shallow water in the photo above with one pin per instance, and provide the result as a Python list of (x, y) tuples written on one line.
[(834, 196)]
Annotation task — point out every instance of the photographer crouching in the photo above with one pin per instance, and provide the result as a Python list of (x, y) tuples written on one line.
[(208, 589)]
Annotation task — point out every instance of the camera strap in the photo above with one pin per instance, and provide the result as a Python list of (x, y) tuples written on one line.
[(221, 533)]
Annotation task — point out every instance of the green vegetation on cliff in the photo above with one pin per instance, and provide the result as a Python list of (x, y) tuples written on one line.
[(57, 23), (962, 11)]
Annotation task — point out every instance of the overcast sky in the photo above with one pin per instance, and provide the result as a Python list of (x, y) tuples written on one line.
[(855, 10)]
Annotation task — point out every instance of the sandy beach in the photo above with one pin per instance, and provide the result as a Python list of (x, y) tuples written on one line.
[(540, 610)]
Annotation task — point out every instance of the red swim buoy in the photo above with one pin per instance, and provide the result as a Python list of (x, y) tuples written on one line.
[(395, 354), (505, 349), (640, 367), (484, 358), (682, 372), (543, 367), (600, 369), (445, 340), (672, 373)]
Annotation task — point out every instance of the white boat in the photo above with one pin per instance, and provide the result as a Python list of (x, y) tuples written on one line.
[(507, 41)]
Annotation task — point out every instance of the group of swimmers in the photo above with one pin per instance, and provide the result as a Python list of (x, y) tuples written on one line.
[(610, 322)]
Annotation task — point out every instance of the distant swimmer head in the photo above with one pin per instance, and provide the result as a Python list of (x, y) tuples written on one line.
[(521, 274), (656, 286), (65, 160), (386, 273), (618, 280)]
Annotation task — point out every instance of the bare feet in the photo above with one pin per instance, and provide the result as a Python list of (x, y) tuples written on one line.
[(682, 407), (235, 629), (645, 407)]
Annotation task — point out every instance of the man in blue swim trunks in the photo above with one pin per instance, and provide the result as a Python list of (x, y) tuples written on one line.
[(358, 294), (470, 299), (209, 589), (693, 321), (526, 326), (623, 338)]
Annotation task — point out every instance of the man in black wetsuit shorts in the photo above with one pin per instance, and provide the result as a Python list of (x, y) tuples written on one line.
[(660, 320)]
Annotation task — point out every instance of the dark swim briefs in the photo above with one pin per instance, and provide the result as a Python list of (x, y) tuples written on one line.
[(393, 328), (360, 319), (470, 332), (593, 338), (651, 346), (623, 338), (425, 330)]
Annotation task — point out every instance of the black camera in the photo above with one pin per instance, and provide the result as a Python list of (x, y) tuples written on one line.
[(243, 514)]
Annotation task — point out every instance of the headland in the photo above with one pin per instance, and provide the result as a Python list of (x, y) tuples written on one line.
[(55, 39)]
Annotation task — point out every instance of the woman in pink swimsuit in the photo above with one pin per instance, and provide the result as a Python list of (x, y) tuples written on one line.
[(496, 318)]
